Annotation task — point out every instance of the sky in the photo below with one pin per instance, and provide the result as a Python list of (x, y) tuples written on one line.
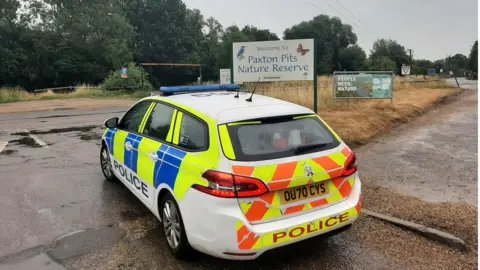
[(433, 29)]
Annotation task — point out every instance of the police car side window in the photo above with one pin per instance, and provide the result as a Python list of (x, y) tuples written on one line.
[(133, 118), (193, 134), (158, 124)]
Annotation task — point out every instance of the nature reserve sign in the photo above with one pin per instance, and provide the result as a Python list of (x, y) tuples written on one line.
[(377, 85), (269, 61)]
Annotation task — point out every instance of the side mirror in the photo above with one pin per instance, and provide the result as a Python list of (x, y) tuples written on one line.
[(112, 122)]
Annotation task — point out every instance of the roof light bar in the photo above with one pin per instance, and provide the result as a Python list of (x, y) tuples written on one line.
[(199, 88)]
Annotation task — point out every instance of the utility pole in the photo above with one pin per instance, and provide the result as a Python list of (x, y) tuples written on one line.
[(410, 52)]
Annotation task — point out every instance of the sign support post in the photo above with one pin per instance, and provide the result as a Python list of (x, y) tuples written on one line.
[(232, 80), (315, 78)]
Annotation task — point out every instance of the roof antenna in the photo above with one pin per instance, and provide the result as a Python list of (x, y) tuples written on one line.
[(253, 92), (238, 93)]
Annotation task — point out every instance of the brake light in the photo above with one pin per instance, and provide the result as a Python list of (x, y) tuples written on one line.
[(226, 185), (350, 165)]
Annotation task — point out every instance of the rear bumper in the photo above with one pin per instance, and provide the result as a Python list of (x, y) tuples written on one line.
[(218, 227)]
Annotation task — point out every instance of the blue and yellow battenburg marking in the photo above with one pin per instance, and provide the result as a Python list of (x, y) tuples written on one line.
[(167, 171), (110, 138), (164, 170), (131, 157)]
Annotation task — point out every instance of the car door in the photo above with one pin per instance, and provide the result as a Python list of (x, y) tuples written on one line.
[(190, 156), (126, 138), (156, 133)]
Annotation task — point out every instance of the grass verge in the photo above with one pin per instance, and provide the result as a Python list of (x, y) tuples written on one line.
[(8, 95)]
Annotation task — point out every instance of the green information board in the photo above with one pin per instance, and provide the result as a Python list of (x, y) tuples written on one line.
[(374, 85)]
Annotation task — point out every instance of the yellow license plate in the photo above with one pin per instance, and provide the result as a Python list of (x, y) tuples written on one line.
[(296, 194)]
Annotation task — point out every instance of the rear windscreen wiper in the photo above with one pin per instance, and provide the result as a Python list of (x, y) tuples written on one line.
[(305, 148)]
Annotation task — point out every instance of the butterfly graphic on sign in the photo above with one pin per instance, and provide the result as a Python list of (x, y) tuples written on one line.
[(301, 50)]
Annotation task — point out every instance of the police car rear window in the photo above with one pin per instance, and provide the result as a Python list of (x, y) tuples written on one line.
[(279, 137)]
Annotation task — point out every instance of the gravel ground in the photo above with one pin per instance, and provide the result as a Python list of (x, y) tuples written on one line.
[(457, 219)]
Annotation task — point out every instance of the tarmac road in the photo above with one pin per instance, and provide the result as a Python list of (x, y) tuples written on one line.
[(57, 212)]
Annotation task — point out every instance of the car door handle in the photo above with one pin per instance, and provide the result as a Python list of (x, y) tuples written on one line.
[(128, 146), (153, 156)]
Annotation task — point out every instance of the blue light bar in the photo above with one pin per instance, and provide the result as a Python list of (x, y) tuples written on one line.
[(199, 88)]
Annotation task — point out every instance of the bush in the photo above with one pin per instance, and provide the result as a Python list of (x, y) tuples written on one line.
[(114, 80)]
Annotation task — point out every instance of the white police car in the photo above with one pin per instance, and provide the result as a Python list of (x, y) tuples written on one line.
[(232, 174)]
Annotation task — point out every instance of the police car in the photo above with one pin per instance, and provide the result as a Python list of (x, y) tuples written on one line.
[(232, 174)]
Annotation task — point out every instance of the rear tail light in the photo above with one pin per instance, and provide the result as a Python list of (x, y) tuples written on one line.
[(350, 165), (226, 185)]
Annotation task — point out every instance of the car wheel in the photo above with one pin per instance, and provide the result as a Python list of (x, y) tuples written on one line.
[(173, 228), (106, 164)]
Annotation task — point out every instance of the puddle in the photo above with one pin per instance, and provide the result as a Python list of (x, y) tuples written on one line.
[(90, 137), (140, 227), (58, 116), (26, 141), (64, 130), (127, 215), (8, 152), (64, 109)]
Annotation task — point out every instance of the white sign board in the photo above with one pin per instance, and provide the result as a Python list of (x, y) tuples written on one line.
[(224, 76), (441, 70), (405, 70), (270, 61)]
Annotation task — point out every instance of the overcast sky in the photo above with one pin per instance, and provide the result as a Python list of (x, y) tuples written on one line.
[(433, 29)]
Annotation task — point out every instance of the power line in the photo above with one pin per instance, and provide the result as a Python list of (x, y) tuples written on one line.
[(352, 14), (316, 6), (341, 15), (313, 4)]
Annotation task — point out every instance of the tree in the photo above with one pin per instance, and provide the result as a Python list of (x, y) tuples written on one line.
[(473, 59), (457, 63), (255, 34), (381, 63), (67, 42), (392, 50), (166, 32), (332, 36), (352, 58), (230, 35), (420, 66), (211, 49)]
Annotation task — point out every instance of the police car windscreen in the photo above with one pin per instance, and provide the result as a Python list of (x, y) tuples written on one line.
[(273, 138)]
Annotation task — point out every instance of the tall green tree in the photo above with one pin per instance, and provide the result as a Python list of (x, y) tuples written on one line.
[(420, 66), (381, 63), (211, 49), (473, 58), (457, 63), (79, 40), (256, 34), (230, 35), (11, 51), (392, 50), (166, 32), (332, 36), (352, 58)]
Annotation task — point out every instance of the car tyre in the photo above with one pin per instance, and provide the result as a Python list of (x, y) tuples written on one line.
[(173, 228), (106, 164)]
